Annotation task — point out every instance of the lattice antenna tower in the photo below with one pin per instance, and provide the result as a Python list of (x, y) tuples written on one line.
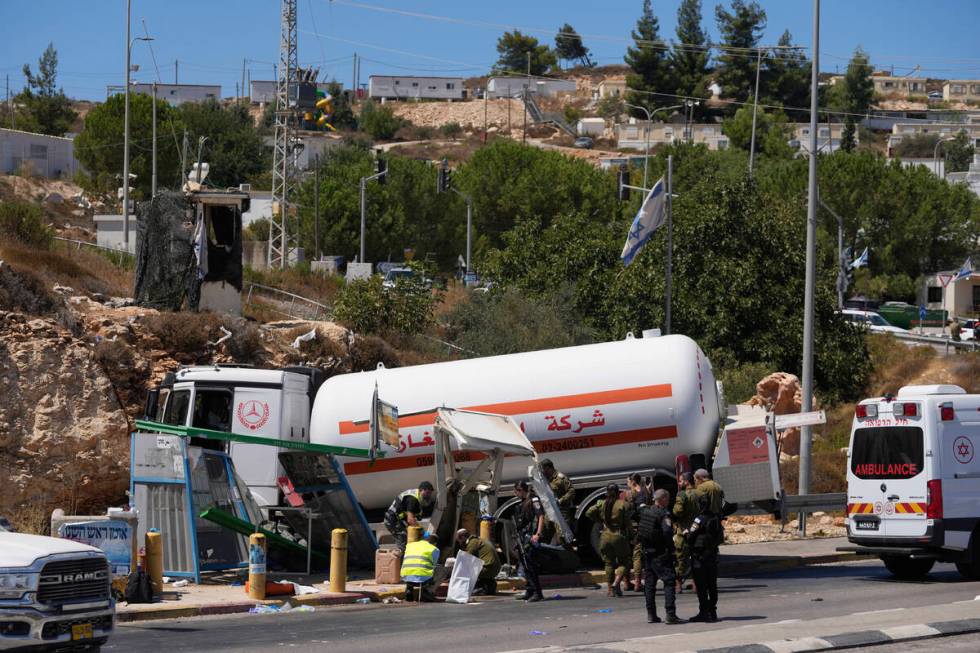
[(280, 241)]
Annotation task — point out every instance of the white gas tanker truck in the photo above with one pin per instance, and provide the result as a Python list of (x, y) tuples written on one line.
[(599, 412)]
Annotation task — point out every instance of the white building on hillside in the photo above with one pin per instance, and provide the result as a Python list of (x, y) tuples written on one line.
[(410, 87), (501, 87), (174, 94), (36, 154)]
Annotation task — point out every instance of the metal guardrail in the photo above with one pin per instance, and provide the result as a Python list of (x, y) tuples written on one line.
[(78, 245), (814, 502), (314, 310), (970, 345)]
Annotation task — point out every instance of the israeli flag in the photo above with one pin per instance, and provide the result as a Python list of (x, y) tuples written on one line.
[(861, 261), (965, 271), (648, 219)]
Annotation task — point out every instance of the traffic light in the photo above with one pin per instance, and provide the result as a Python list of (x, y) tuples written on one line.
[(624, 182), (381, 168), (444, 178)]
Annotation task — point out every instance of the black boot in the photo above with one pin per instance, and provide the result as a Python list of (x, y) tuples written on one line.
[(701, 617), (652, 618), (537, 597), (672, 618)]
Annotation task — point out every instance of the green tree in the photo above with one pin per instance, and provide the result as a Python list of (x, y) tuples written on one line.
[(689, 56), (234, 149), (99, 147), (786, 80), (649, 70), (343, 114), (855, 93), (959, 152), (46, 109), (569, 46), (365, 306), (513, 48), (379, 121), (848, 141), (740, 30), (771, 133)]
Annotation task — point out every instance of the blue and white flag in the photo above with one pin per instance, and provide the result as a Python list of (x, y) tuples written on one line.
[(965, 271), (861, 261), (648, 219)]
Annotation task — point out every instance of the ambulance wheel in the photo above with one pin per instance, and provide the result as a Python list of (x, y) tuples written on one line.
[(908, 568), (970, 568)]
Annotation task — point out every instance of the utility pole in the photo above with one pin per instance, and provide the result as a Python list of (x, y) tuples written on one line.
[(670, 241), (316, 206), (755, 109), (10, 107), (243, 80), (360, 259), (353, 80), (806, 435), (282, 155), (125, 180), (486, 95), (176, 70), (527, 88), (183, 159), (153, 178)]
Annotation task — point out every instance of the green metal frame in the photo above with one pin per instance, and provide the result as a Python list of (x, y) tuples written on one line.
[(192, 432), (229, 521)]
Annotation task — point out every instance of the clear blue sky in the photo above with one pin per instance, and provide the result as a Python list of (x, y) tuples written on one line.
[(210, 38)]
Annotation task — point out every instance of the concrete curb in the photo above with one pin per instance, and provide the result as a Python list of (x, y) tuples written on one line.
[(584, 579), (858, 639)]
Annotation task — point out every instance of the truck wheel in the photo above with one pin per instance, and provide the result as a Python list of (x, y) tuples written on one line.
[(908, 568)]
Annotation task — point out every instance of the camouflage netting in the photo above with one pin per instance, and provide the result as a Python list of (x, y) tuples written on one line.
[(166, 269)]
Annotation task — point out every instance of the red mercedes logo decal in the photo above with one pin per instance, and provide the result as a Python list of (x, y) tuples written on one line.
[(253, 414)]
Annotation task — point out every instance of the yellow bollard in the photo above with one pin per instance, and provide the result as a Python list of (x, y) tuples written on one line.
[(256, 566), (338, 560), (154, 561), (486, 527), (414, 533)]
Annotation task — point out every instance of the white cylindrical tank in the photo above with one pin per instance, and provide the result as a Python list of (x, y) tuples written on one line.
[(613, 407)]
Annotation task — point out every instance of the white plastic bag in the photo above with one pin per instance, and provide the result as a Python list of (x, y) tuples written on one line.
[(465, 572)]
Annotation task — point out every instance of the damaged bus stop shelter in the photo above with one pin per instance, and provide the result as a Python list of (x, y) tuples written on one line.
[(204, 512)]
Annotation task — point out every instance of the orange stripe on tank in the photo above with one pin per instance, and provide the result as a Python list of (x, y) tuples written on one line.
[(659, 391)]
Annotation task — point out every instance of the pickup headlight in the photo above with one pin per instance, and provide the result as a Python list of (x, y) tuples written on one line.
[(14, 584)]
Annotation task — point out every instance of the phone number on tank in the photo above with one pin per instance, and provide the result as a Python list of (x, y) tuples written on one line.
[(566, 445)]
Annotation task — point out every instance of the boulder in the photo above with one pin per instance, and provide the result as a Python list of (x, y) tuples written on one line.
[(780, 393)]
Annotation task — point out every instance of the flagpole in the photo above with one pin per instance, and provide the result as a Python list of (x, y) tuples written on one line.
[(670, 240)]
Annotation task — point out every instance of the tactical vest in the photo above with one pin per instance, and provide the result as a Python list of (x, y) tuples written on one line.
[(396, 505)]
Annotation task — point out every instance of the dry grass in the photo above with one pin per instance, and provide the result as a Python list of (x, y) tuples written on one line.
[(828, 473), (321, 288), (84, 271), (184, 334)]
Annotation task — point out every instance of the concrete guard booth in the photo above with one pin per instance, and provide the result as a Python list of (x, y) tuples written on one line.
[(218, 244)]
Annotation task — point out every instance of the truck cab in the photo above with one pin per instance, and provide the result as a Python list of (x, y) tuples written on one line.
[(243, 400), (913, 481)]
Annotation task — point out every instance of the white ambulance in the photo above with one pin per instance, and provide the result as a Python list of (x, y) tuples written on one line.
[(913, 480)]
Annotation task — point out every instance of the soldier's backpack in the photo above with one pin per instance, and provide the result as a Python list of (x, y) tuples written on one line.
[(649, 530)]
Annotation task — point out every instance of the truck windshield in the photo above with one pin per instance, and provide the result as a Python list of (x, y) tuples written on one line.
[(887, 452), (177, 405)]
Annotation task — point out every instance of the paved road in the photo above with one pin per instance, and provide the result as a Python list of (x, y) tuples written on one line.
[(579, 617)]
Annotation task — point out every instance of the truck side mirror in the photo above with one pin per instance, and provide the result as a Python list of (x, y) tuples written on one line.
[(150, 409)]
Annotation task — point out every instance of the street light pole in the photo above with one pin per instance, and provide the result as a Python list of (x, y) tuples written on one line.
[(316, 205), (153, 178), (363, 217), (126, 135), (755, 109), (935, 158), (806, 436), (649, 115)]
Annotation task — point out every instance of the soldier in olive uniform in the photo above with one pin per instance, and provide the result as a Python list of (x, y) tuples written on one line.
[(486, 582), (706, 535), (639, 496), (656, 537), (685, 510), (614, 543), (563, 490)]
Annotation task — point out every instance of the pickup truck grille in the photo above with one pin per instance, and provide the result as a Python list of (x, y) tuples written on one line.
[(68, 581)]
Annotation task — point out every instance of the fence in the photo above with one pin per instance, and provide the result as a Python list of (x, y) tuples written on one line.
[(117, 256), (936, 341), (288, 304)]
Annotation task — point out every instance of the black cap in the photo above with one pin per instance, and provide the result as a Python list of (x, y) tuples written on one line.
[(546, 462), (425, 485)]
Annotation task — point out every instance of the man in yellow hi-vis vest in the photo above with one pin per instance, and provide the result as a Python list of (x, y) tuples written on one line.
[(419, 566)]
